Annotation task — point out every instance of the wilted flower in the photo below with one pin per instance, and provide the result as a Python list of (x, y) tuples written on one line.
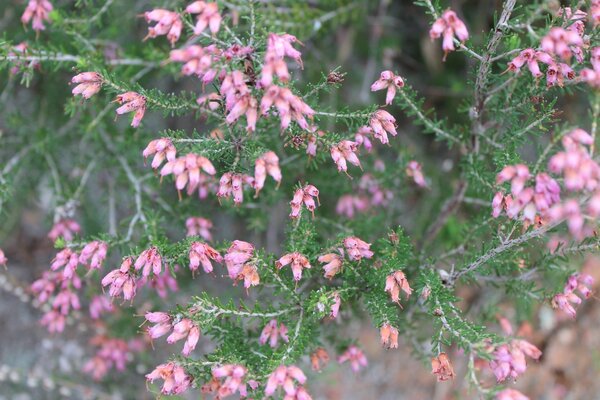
[(88, 84), (249, 274), (448, 26), (388, 80), (319, 357), (356, 358), (389, 336), (272, 332), (132, 101), (442, 367)]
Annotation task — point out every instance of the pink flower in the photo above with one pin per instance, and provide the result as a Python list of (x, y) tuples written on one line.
[(176, 381), (388, 80), (121, 281), (53, 321), (335, 307), (509, 359), (162, 324), (278, 47), (189, 171), (556, 74), (207, 16), (356, 358), (111, 353), (201, 253), (349, 205), (69, 260), (345, 151), (149, 261), (249, 274), (65, 228), (200, 61), (272, 332), (511, 394), (442, 367), (132, 101), (88, 84), (268, 163), (94, 253), (382, 123), (237, 255), (65, 300), (333, 264), (413, 169), (37, 10), (183, 329), (562, 42), (448, 26), (297, 261), (595, 12), (161, 283), (319, 356), (198, 226), (289, 107), (362, 137), (389, 336), (357, 248), (100, 305), (579, 282), (167, 23), (233, 184), (304, 196), (238, 100), (396, 282), (531, 57), (233, 375), (3, 259), (284, 376), (161, 148)]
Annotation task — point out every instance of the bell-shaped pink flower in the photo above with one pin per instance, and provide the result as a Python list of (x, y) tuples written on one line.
[(396, 282), (198, 226), (93, 254), (382, 123), (237, 255), (333, 264), (132, 102), (285, 377), (449, 26), (297, 261), (207, 16), (88, 84), (304, 196), (268, 163), (201, 253), (389, 336), (37, 11), (356, 358), (185, 329), (272, 332), (148, 261), (162, 149), (176, 380), (167, 23), (388, 80), (357, 249), (442, 367)]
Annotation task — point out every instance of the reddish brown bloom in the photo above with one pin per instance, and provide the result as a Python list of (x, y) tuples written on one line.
[(442, 368)]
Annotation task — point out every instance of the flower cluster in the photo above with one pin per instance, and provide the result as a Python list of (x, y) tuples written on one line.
[(449, 26), (183, 328), (306, 196), (509, 359), (190, 170), (298, 263), (272, 332), (284, 376), (176, 380), (564, 300), (37, 11)]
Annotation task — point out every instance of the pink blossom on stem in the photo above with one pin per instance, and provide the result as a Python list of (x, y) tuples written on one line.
[(278, 47), (232, 184), (297, 261), (161, 148), (65, 228), (65, 300), (389, 336), (335, 307), (595, 12), (333, 264), (185, 329), (88, 84), (356, 358), (284, 376), (562, 43), (53, 321), (306, 196), (564, 301), (201, 253), (121, 281), (388, 80), (531, 58), (442, 367), (208, 16), (357, 249), (161, 283), (289, 106), (237, 255), (509, 359), (268, 163), (93, 254), (69, 260), (413, 170), (200, 61), (37, 11), (272, 332), (249, 274), (190, 170), (148, 261), (162, 324), (362, 138), (111, 353), (132, 102), (198, 226), (176, 381), (396, 282), (167, 23), (100, 305), (232, 379), (449, 26), (343, 152), (382, 123)]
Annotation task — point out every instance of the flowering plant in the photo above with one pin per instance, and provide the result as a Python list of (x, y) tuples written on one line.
[(247, 166)]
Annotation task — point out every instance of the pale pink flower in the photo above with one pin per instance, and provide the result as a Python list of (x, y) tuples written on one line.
[(53, 321), (389, 336), (362, 138), (208, 16), (93, 254), (579, 282), (413, 170), (232, 375), (88, 84), (190, 170), (557, 72), (356, 358), (232, 185), (198, 226), (311, 145), (130, 102), (249, 274), (37, 11), (200, 61), (268, 163), (510, 394), (278, 47), (509, 359), (562, 42), (388, 80), (345, 151), (319, 357), (333, 264), (297, 261), (3, 259), (382, 123), (176, 381), (65, 300), (121, 280), (272, 332), (349, 205), (65, 228), (100, 305), (357, 249), (237, 255), (162, 149), (335, 307), (239, 100), (201, 253), (306, 196), (111, 353), (69, 260), (284, 376), (185, 329), (148, 261), (531, 57), (442, 367), (44, 287), (449, 26), (167, 23), (162, 324), (396, 282), (289, 106)]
